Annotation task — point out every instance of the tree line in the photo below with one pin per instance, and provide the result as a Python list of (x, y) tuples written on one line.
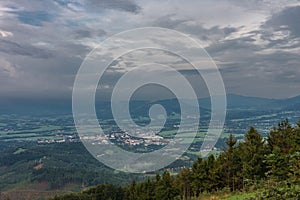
[(271, 163)]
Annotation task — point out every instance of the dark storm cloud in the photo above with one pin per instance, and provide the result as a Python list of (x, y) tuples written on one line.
[(262, 60), (240, 53), (253, 43), (287, 19)]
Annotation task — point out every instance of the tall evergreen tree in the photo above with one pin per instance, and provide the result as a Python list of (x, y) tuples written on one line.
[(183, 183), (199, 176), (211, 173), (280, 145), (132, 193), (231, 164), (279, 137), (165, 189), (252, 153)]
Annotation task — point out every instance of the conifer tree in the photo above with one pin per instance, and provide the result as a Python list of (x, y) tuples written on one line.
[(183, 183), (252, 153), (199, 176)]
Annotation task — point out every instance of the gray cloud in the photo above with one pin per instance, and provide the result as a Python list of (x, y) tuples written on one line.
[(88, 33), (123, 5), (15, 48), (8, 68), (287, 19), (263, 60), (256, 45), (197, 29)]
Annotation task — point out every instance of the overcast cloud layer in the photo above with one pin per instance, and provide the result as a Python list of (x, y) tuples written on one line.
[(255, 43)]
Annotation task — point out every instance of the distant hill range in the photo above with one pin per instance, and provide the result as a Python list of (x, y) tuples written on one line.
[(244, 102), (234, 102)]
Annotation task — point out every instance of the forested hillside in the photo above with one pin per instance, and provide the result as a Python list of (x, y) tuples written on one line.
[(268, 167)]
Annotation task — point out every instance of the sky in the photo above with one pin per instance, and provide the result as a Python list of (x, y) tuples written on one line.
[(255, 43)]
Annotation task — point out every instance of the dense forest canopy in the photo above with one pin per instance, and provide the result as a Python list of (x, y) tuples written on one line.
[(270, 164)]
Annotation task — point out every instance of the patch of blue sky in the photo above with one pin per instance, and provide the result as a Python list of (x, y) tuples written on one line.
[(67, 3), (34, 18)]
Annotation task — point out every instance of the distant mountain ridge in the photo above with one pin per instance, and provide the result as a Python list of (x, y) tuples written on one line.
[(234, 101)]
